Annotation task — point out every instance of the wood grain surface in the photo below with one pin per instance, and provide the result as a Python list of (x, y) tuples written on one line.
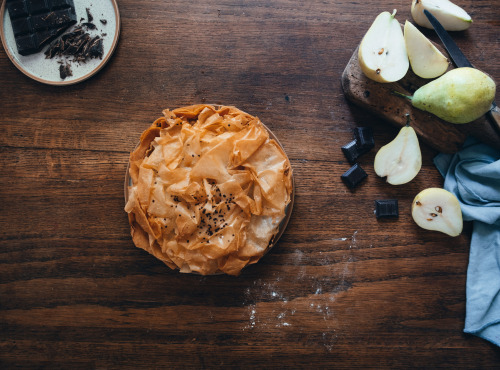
[(340, 290)]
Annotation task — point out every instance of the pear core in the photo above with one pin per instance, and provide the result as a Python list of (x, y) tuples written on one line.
[(438, 210), (382, 53), (401, 159)]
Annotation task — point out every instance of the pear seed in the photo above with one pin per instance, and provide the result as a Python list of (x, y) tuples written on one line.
[(417, 203), (429, 219), (434, 215), (381, 51), (377, 71), (438, 209)]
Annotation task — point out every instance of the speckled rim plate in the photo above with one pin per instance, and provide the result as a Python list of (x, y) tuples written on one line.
[(46, 71), (288, 210)]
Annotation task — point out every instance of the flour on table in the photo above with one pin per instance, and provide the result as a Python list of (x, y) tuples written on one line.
[(319, 302)]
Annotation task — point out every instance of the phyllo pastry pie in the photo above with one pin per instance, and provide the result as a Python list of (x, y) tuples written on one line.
[(209, 190)]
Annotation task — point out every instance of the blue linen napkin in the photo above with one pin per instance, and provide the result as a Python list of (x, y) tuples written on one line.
[(473, 175)]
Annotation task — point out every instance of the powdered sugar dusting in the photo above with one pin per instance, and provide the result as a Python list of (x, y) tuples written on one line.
[(271, 302)]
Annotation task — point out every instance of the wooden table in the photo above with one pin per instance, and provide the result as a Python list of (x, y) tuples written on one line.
[(341, 289)]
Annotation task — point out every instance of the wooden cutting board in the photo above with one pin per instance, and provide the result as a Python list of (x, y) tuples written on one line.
[(378, 98)]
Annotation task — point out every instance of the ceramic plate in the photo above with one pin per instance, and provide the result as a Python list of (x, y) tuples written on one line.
[(44, 70)]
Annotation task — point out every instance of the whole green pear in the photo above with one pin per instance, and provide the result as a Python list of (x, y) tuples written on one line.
[(461, 95)]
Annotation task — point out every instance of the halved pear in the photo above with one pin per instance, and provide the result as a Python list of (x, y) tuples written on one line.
[(401, 159), (425, 59), (450, 15), (382, 52), (439, 210)]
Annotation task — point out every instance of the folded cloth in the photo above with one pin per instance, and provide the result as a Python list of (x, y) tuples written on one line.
[(473, 175)]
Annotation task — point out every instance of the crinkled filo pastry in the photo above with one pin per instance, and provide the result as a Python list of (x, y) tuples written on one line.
[(209, 189)]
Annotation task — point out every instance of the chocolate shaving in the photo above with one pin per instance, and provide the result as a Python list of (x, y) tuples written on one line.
[(79, 44), (90, 18), (76, 45), (89, 25)]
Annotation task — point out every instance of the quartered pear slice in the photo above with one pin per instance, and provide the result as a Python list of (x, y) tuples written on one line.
[(450, 15), (382, 53), (425, 59), (439, 210), (401, 159)]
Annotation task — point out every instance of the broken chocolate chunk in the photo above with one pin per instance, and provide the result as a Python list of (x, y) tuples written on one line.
[(363, 142), (96, 48), (386, 208), (65, 71), (354, 176), (37, 22), (351, 151), (364, 138)]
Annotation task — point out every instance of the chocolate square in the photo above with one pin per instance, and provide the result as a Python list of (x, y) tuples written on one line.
[(17, 9), (22, 26), (386, 208), (354, 176), (364, 138), (59, 4), (37, 6), (26, 44), (351, 151)]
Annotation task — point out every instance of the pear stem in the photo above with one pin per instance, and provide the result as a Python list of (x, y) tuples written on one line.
[(407, 119), (402, 95)]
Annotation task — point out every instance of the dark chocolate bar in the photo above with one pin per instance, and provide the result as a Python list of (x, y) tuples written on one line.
[(37, 22), (364, 138), (386, 208), (354, 176)]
